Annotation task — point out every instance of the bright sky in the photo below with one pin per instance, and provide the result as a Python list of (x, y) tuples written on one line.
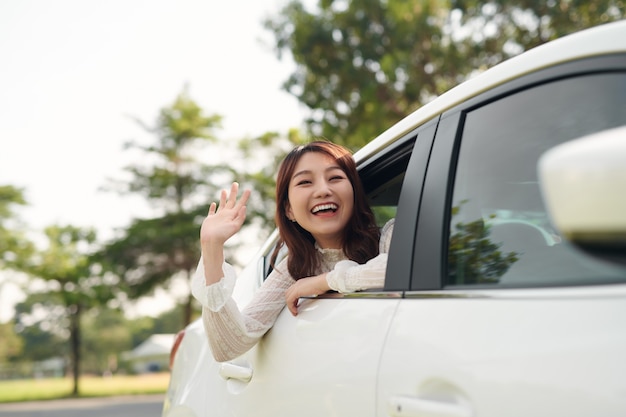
[(73, 73)]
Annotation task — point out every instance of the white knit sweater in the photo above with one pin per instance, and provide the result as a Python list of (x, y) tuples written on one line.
[(232, 332)]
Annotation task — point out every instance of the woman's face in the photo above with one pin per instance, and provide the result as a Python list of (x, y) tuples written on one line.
[(321, 198)]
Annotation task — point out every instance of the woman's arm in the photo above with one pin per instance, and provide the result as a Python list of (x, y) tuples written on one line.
[(305, 287), (349, 276), (220, 224), (232, 332), (229, 331)]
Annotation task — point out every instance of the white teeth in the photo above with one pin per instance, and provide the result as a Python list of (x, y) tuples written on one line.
[(324, 207)]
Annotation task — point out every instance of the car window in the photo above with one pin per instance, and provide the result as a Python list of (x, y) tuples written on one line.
[(499, 231)]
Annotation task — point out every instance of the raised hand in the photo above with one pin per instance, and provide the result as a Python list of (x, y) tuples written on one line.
[(225, 219)]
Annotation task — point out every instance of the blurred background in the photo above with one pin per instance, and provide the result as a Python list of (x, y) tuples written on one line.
[(121, 121)]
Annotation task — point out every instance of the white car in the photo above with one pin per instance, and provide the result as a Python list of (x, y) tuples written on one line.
[(505, 291)]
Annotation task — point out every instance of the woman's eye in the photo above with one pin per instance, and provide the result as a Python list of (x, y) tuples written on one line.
[(336, 177), (303, 182)]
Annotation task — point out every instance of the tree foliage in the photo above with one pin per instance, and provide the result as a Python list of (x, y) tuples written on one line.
[(178, 184), (151, 251), (15, 247), (270, 148), (172, 172), (41, 323), (73, 286), (106, 334), (362, 65), (12, 345), (473, 258)]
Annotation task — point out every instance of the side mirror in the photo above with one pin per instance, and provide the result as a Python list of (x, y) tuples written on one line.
[(583, 183)]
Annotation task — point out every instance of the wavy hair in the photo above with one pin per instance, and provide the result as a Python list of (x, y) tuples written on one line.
[(361, 234)]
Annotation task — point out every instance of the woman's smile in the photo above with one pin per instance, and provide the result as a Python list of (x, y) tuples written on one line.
[(325, 209)]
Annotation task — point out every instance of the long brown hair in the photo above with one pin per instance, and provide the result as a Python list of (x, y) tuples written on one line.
[(361, 235)]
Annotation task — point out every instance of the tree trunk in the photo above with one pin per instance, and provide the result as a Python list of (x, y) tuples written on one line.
[(75, 311)]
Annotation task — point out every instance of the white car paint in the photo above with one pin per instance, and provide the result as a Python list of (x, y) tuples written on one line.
[(507, 353)]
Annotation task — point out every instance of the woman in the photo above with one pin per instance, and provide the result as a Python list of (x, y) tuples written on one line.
[(328, 229)]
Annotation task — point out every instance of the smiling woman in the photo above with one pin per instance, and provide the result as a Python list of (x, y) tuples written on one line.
[(329, 232)]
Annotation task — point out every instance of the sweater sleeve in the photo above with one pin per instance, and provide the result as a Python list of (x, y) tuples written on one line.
[(349, 276), (232, 332), (213, 297)]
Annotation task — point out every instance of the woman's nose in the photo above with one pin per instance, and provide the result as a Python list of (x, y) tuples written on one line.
[(322, 189)]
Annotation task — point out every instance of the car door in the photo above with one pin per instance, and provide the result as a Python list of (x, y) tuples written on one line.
[(502, 317), (323, 362)]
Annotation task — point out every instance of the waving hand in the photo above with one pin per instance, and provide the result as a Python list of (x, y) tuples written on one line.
[(225, 219)]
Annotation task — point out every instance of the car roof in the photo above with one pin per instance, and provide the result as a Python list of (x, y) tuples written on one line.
[(600, 40)]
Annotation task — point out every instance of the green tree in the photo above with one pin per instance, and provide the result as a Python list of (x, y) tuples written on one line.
[(174, 180), (169, 321), (362, 65), (15, 247), (41, 322), (12, 344), (74, 284), (106, 335)]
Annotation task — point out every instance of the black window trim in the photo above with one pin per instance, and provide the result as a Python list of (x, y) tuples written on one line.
[(400, 256)]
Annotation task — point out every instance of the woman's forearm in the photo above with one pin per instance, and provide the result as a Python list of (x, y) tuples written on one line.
[(212, 260)]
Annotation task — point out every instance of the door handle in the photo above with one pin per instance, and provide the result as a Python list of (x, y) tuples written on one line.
[(232, 371), (406, 406)]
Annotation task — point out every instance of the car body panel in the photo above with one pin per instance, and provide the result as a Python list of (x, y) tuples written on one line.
[(552, 352), (193, 373), (322, 353)]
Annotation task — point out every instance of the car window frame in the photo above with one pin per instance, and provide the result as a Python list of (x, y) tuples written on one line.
[(401, 253), (431, 240)]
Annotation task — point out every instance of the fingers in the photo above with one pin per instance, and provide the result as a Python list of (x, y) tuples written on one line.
[(292, 303), (293, 294), (222, 198), (232, 197), (305, 287), (229, 200), (244, 197), (291, 299)]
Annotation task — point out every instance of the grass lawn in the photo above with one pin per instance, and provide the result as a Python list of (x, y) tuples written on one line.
[(88, 386)]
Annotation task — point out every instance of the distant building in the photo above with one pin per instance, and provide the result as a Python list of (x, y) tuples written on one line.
[(152, 355), (53, 367)]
